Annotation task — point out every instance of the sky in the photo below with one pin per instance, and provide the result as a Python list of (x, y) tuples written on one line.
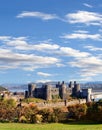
[(50, 40)]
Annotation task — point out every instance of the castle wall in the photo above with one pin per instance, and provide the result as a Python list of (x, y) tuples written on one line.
[(86, 93), (39, 93), (49, 92), (54, 93)]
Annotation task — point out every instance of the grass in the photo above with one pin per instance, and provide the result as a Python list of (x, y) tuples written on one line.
[(54, 126), (34, 100)]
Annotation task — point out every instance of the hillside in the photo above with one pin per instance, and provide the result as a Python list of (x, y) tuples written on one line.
[(3, 89)]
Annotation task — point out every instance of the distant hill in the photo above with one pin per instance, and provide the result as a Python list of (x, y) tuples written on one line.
[(23, 87), (15, 87), (3, 89), (94, 85)]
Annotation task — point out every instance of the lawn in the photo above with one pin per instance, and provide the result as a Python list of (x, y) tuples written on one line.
[(56, 126)]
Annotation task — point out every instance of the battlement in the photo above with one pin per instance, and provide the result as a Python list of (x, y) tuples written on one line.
[(47, 91), (60, 90)]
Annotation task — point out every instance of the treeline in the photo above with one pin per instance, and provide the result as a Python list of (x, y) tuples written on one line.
[(11, 112)]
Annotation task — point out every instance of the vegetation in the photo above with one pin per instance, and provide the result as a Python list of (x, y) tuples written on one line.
[(3, 89), (34, 100), (10, 111), (56, 126)]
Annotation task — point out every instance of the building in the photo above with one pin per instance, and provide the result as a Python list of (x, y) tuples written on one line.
[(60, 90), (76, 91), (49, 92), (86, 93)]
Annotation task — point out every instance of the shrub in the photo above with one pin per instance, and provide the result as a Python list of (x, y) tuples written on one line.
[(38, 118), (22, 119)]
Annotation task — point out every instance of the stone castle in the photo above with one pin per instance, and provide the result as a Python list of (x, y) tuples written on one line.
[(49, 92)]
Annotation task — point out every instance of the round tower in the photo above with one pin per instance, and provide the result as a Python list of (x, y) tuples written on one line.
[(89, 92), (76, 90), (63, 90), (31, 88), (77, 87), (48, 92), (58, 85), (26, 94), (70, 84)]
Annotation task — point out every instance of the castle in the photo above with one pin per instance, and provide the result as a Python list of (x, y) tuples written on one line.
[(49, 92)]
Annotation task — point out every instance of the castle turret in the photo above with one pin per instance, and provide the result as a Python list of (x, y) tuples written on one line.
[(76, 90), (26, 94), (48, 92), (86, 93), (31, 88), (70, 84), (63, 90), (89, 95), (58, 85)]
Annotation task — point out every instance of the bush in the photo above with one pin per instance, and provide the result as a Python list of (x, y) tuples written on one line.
[(22, 119), (38, 118), (10, 103)]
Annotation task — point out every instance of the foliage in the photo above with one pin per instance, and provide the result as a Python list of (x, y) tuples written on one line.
[(34, 100), (3, 89), (77, 111), (55, 97), (29, 113), (10, 102), (100, 100), (94, 112), (22, 119)]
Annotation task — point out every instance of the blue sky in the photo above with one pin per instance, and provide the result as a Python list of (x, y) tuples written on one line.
[(50, 40)]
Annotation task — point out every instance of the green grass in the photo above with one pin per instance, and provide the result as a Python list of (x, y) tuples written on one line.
[(34, 100), (56, 126)]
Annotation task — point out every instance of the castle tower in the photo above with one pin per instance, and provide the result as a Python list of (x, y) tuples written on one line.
[(63, 90), (89, 92), (58, 85), (76, 90), (48, 92), (26, 94), (31, 88), (70, 84)]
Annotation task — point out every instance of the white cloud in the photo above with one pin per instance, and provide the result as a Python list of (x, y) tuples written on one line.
[(21, 43), (86, 79), (60, 65), (89, 67), (82, 36), (81, 31), (85, 17), (67, 51), (16, 42), (19, 58), (9, 59), (87, 61), (4, 38), (92, 48), (40, 15), (44, 74), (87, 5), (43, 81)]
